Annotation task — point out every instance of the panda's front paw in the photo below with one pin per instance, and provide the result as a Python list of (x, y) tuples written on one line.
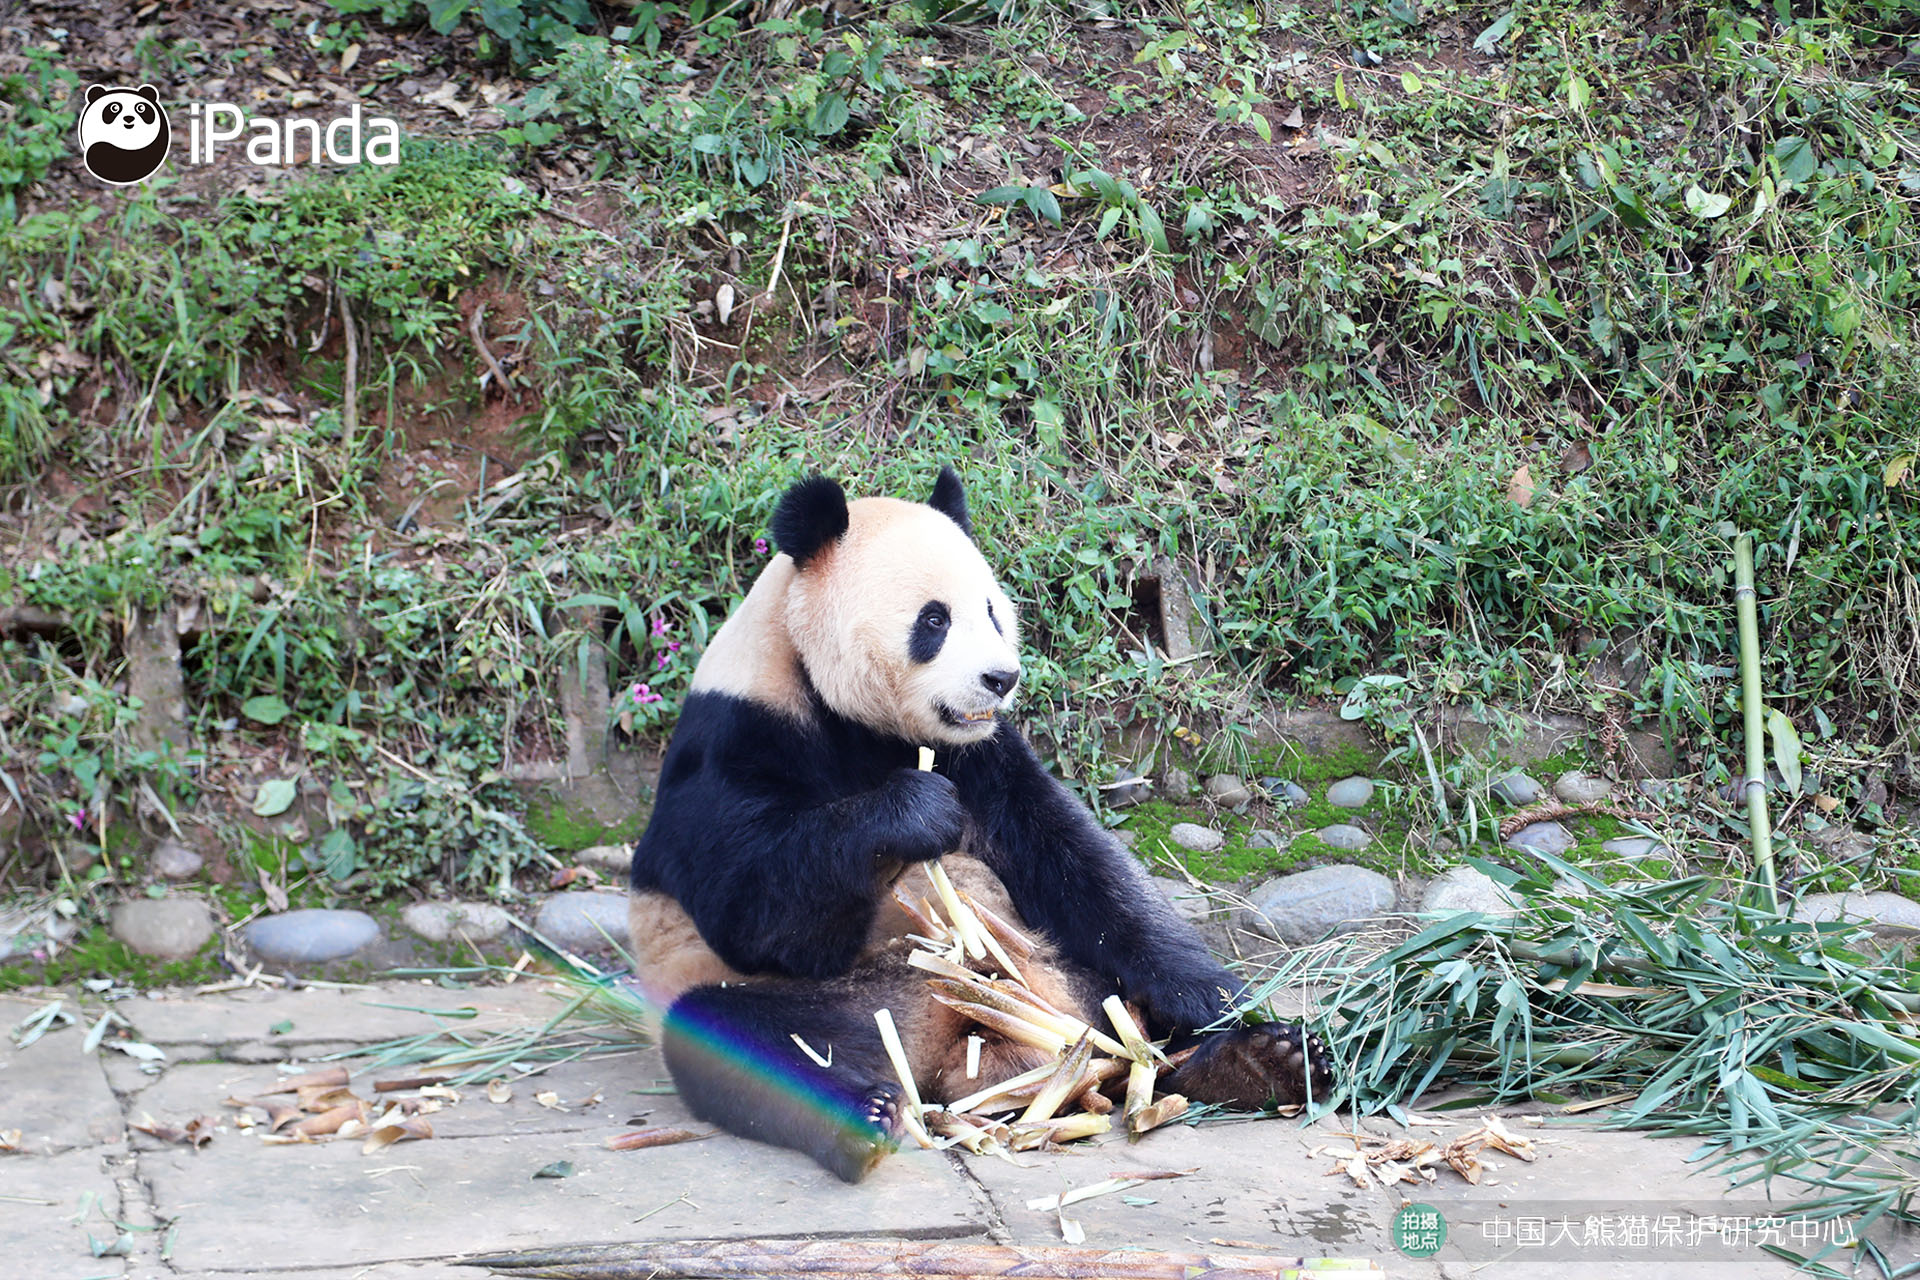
[(928, 819), (1252, 1068), (869, 1135)]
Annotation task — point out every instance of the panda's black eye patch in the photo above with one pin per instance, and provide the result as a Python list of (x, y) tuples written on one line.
[(929, 631), (111, 113), (991, 617)]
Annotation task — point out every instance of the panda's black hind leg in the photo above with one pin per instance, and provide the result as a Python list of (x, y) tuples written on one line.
[(734, 1060), (1254, 1067)]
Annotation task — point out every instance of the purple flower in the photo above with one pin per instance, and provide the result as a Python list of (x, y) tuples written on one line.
[(759, 546), (79, 819), (662, 660), (660, 627), (643, 695)]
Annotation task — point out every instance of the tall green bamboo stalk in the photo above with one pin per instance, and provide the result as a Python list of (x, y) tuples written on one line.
[(1748, 613)]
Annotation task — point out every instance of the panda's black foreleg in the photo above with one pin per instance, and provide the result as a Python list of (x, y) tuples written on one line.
[(732, 1053), (1254, 1067)]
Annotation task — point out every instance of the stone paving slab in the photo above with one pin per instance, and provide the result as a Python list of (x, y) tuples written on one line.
[(39, 1237), (243, 1206), (325, 1211), (365, 1015), (58, 1097)]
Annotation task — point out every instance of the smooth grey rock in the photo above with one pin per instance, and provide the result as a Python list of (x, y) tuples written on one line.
[(1308, 905), (616, 858), (1191, 835), (1187, 902), (1267, 838), (1575, 787), (453, 921), (1517, 789), (1665, 790), (1635, 847), (1888, 914), (1459, 889), (594, 921), (173, 860), (1229, 791), (1178, 781), (165, 928), (1285, 791), (1350, 793), (1344, 835), (1547, 837), (311, 936), (1130, 788)]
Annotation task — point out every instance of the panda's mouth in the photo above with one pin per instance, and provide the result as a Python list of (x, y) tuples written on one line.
[(951, 716)]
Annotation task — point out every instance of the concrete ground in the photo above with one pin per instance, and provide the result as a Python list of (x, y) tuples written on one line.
[(238, 1207)]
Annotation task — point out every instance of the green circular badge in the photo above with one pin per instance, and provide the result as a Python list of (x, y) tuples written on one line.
[(1418, 1230)]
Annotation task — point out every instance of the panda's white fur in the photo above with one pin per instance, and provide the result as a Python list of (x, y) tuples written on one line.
[(844, 620)]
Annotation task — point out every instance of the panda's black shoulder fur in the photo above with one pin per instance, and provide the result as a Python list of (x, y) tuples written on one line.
[(778, 835)]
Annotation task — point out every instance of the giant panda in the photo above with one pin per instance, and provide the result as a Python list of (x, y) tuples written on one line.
[(789, 803)]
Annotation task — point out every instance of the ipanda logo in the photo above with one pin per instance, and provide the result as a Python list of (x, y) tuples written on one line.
[(125, 135)]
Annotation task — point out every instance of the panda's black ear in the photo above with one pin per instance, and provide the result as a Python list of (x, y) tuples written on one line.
[(950, 500), (812, 514), (150, 93), (94, 91)]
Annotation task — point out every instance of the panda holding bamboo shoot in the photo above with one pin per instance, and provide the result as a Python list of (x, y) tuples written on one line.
[(763, 912)]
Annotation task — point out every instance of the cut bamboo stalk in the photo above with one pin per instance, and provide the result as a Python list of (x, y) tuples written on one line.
[(1009, 1025), (946, 1260), (1066, 1129), (965, 924), (897, 1054), (1134, 1044), (1140, 1080)]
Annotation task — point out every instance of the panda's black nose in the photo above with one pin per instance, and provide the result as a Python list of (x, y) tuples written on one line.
[(999, 681)]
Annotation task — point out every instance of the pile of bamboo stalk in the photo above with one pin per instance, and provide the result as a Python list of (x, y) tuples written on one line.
[(973, 959)]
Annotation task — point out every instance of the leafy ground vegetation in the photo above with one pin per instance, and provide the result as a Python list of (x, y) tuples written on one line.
[(1442, 347)]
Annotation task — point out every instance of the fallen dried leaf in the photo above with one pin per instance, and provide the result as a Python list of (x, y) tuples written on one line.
[(550, 1100), (1520, 487), (385, 1134), (293, 1084), (499, 1091)]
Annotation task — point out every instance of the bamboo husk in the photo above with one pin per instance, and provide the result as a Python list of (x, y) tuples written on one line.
[(833, 1259), (1064, 1083)]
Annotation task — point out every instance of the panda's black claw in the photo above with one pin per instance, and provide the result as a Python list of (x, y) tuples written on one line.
[(1252, 1068), (873, 1134)]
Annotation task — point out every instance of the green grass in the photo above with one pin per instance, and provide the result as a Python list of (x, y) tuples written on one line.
[(96, 953), (1522, 262)]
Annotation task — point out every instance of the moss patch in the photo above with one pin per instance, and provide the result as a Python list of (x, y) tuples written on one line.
[(566, 830), (98, 954)]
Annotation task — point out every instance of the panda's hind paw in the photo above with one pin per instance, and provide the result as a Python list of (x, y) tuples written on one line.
[(870, 1135), (1251, 1068)]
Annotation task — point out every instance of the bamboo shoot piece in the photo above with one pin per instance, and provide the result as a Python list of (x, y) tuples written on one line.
[(1170, 1107), (965, 925), (1064, 1083), (897, 1054)]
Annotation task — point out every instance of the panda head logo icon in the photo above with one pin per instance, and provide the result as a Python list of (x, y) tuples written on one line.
[(124, 133)]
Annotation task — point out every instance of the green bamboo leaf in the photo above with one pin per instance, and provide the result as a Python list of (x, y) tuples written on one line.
[(1786, 748)]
